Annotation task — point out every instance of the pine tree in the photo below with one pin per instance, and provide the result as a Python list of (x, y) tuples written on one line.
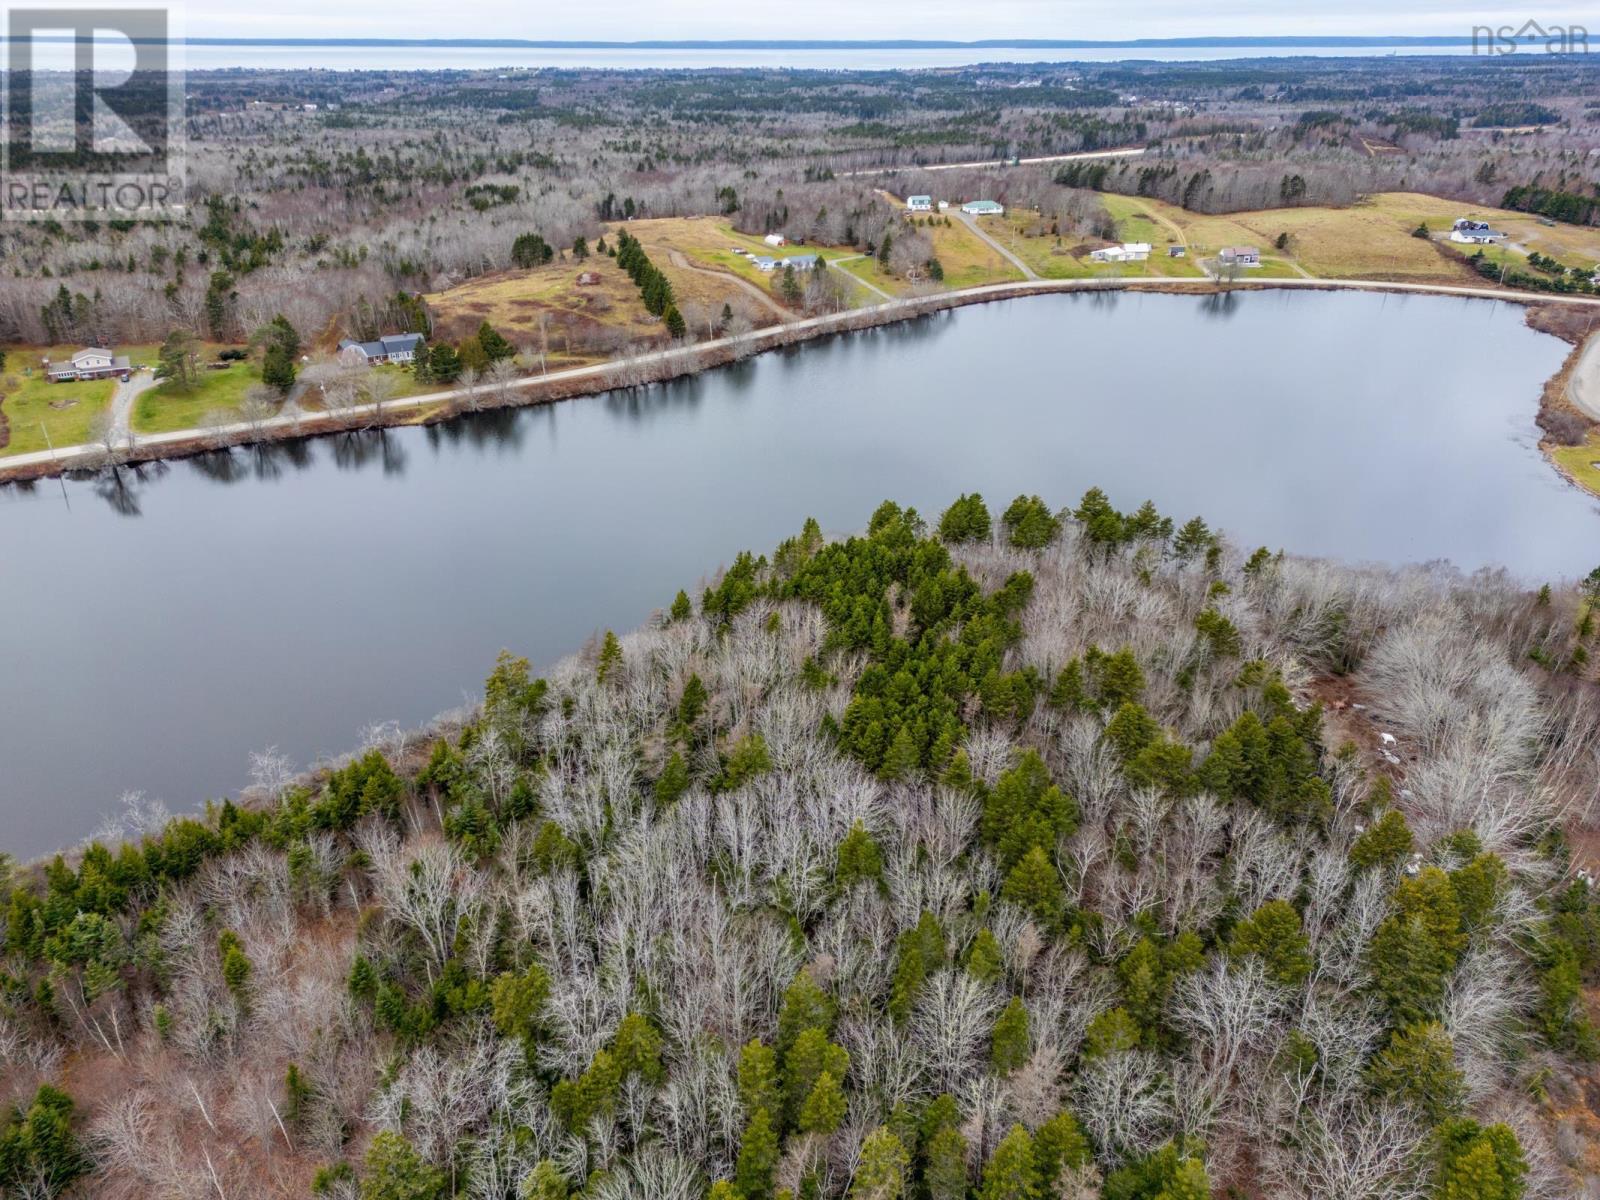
[(673, 320), (945, 1171), (758, 1078), (395, 1171), (1386, 844), (495, 347), (824, 1108), (1009, 1047), (984, 960), (810, 1058), (1034, 885), (681, 609), (1012, 1173), (881, 1173), (859, 859), (1418, 1067), (758, 1155), (1059, 1144), (610, 657), (545, 1183), (1273, 932), (673, 781)]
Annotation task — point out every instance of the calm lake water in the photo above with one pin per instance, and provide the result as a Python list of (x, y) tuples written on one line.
[(156, 632)]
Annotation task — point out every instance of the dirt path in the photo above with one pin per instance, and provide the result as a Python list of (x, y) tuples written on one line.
[(122, 405), (1583, 385), (871, 287), (971, 223), (680, 260)]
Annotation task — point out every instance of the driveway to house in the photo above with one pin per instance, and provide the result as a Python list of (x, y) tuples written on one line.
[(1583, 385), (681, 261), (971, 223), (122, 404)]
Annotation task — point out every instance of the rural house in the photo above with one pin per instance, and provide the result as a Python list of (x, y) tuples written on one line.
[(919, 203), (390, 348), (775, 239), (1239, 256), (983, 208), (800, 262), (1126, 252), (89, 363), (1474, 233)]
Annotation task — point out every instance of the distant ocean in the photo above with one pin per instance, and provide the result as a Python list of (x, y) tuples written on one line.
[(391, 56)]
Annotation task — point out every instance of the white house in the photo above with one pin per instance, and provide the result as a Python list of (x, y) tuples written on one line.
[(1239, 256), (390, 348), (1127, 252), (919, 203), (800, 262), (1475, 237), (775, 239), (90, 363), (983, 208)]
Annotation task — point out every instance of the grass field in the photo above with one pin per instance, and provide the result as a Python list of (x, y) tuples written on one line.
[(26, 397), (166, 407), (1581, 463), (515, 303)]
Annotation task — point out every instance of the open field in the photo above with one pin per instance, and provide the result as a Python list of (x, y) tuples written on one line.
[(166, 407), (526, 306), (26, 398), (1581, 463)]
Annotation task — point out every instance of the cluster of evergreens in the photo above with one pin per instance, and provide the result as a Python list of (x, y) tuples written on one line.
[(994, 858), (654, 287)]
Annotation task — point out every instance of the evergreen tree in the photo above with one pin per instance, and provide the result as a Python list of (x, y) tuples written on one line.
[(278, 369), (673, 320), (395, 1171), (758, 1078), (1012, 1173), (944, 1173), (1477, 1163), (1415, 948), (546, 1182), (810, 1058), (824, 1108), (673, 781), (1418, 1067), (881, 1173), (758, 1155), (1029, 523), (1274, 933), (858, 860), (967, 520), (984, 960), (1059, 1145), (444, 365), (1386, 844), (495, 347), (1035, 886), (610, 657), (1009, 1046)]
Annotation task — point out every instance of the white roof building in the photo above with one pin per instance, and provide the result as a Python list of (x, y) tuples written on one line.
[(1126, 252)]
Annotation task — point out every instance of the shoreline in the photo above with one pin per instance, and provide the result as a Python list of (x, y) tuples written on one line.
[(674, 362)]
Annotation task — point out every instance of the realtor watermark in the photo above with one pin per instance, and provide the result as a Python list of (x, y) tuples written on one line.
[(1530, 37), (92, 115)]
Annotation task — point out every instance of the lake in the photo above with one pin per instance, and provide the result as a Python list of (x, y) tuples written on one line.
[(159, 626)]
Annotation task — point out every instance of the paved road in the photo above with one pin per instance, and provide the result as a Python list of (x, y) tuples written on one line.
[(971, 223), (312, 423), (1583, 385), (1129, 152)]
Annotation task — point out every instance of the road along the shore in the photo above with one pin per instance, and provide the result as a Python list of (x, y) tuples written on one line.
[(674, 361)]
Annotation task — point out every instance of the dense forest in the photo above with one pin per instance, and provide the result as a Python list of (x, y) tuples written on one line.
[(1012, 855), (373, 182)]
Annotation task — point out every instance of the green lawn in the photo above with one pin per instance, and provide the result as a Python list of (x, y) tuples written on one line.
[(28, 410), (166, 407)]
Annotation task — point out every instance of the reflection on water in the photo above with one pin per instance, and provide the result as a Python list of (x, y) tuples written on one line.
[(289, 594)]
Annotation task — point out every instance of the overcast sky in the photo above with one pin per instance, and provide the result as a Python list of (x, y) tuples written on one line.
[(626, 20)]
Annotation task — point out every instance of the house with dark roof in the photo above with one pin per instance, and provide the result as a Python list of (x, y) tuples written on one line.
[(390, 348), (1240, 256), (89, 363)]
